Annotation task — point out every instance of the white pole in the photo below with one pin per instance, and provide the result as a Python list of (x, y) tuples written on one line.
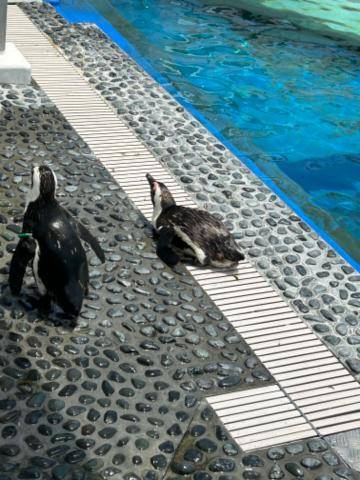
[(3, 13), (14, 68)]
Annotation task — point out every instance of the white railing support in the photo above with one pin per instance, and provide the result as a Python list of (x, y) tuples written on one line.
[(3, 17), (14, 68)]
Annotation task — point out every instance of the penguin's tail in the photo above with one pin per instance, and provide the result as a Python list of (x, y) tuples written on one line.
[(234, 256), (232, 252)]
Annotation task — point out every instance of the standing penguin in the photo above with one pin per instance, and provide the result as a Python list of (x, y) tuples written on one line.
[(50, 239), (189, 228)]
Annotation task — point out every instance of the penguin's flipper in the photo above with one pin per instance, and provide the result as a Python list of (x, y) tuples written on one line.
[(164, 250), (24, 252), (91, 240)]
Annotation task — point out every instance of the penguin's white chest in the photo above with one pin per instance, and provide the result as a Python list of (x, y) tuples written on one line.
[(39, 283), (157, 209)]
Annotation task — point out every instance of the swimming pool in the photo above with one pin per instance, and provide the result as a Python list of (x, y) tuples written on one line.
[(287, 98)]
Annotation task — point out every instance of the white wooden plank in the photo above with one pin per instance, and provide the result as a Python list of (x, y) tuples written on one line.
[(241, 294), (266, 419), (270, 311), (278, 440), (335, 411), (237, 402), (324, 409), (271, 331), (263, 327), (318, 362), (299, 390), (303, 427), (320, 395), (313, 380), (309, 372), (238, 287), (277, 337), (285, 348), (338, 419), (292, 340), (227, 413), (288, 354), (267, 430), (330, 430), (245, 300), (243, 393), (237, 417)]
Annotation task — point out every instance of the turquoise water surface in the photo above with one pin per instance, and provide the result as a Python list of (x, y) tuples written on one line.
[(288, 98)]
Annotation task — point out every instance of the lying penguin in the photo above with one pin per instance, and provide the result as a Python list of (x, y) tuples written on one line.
[(192, 230), (50, 239)]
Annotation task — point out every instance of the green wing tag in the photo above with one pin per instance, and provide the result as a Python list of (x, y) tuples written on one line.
[(24, 235)]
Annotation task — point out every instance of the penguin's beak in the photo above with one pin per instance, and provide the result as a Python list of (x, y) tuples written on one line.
[(151, 180)]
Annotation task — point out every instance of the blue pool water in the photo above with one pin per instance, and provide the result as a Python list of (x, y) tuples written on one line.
[(288, 99)]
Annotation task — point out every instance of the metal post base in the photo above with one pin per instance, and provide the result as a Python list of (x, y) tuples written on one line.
[(3, 15), (14, 68)]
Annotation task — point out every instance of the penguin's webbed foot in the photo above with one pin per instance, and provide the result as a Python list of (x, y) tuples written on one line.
[(67, 320), (71, 321)]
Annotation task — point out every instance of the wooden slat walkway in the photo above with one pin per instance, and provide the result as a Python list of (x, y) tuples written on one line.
[(261, 417)]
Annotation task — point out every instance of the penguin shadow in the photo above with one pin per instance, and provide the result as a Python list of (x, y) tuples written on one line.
[(30, 306)]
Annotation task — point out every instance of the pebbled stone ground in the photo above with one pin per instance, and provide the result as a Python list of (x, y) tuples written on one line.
[(122, 395), (207, 453), (313, 278), (114, 397)]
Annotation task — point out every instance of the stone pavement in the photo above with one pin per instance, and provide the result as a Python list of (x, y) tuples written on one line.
[(312, 277), (148, 345), (123, 395), (119, 395)]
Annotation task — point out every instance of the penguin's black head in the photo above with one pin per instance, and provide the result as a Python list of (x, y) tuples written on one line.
[(43, 184), (160, 195), (47, 182)]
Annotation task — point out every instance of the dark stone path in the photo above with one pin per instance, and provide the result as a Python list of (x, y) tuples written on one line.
[(122, 395), (311, 276), (116, 395)]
